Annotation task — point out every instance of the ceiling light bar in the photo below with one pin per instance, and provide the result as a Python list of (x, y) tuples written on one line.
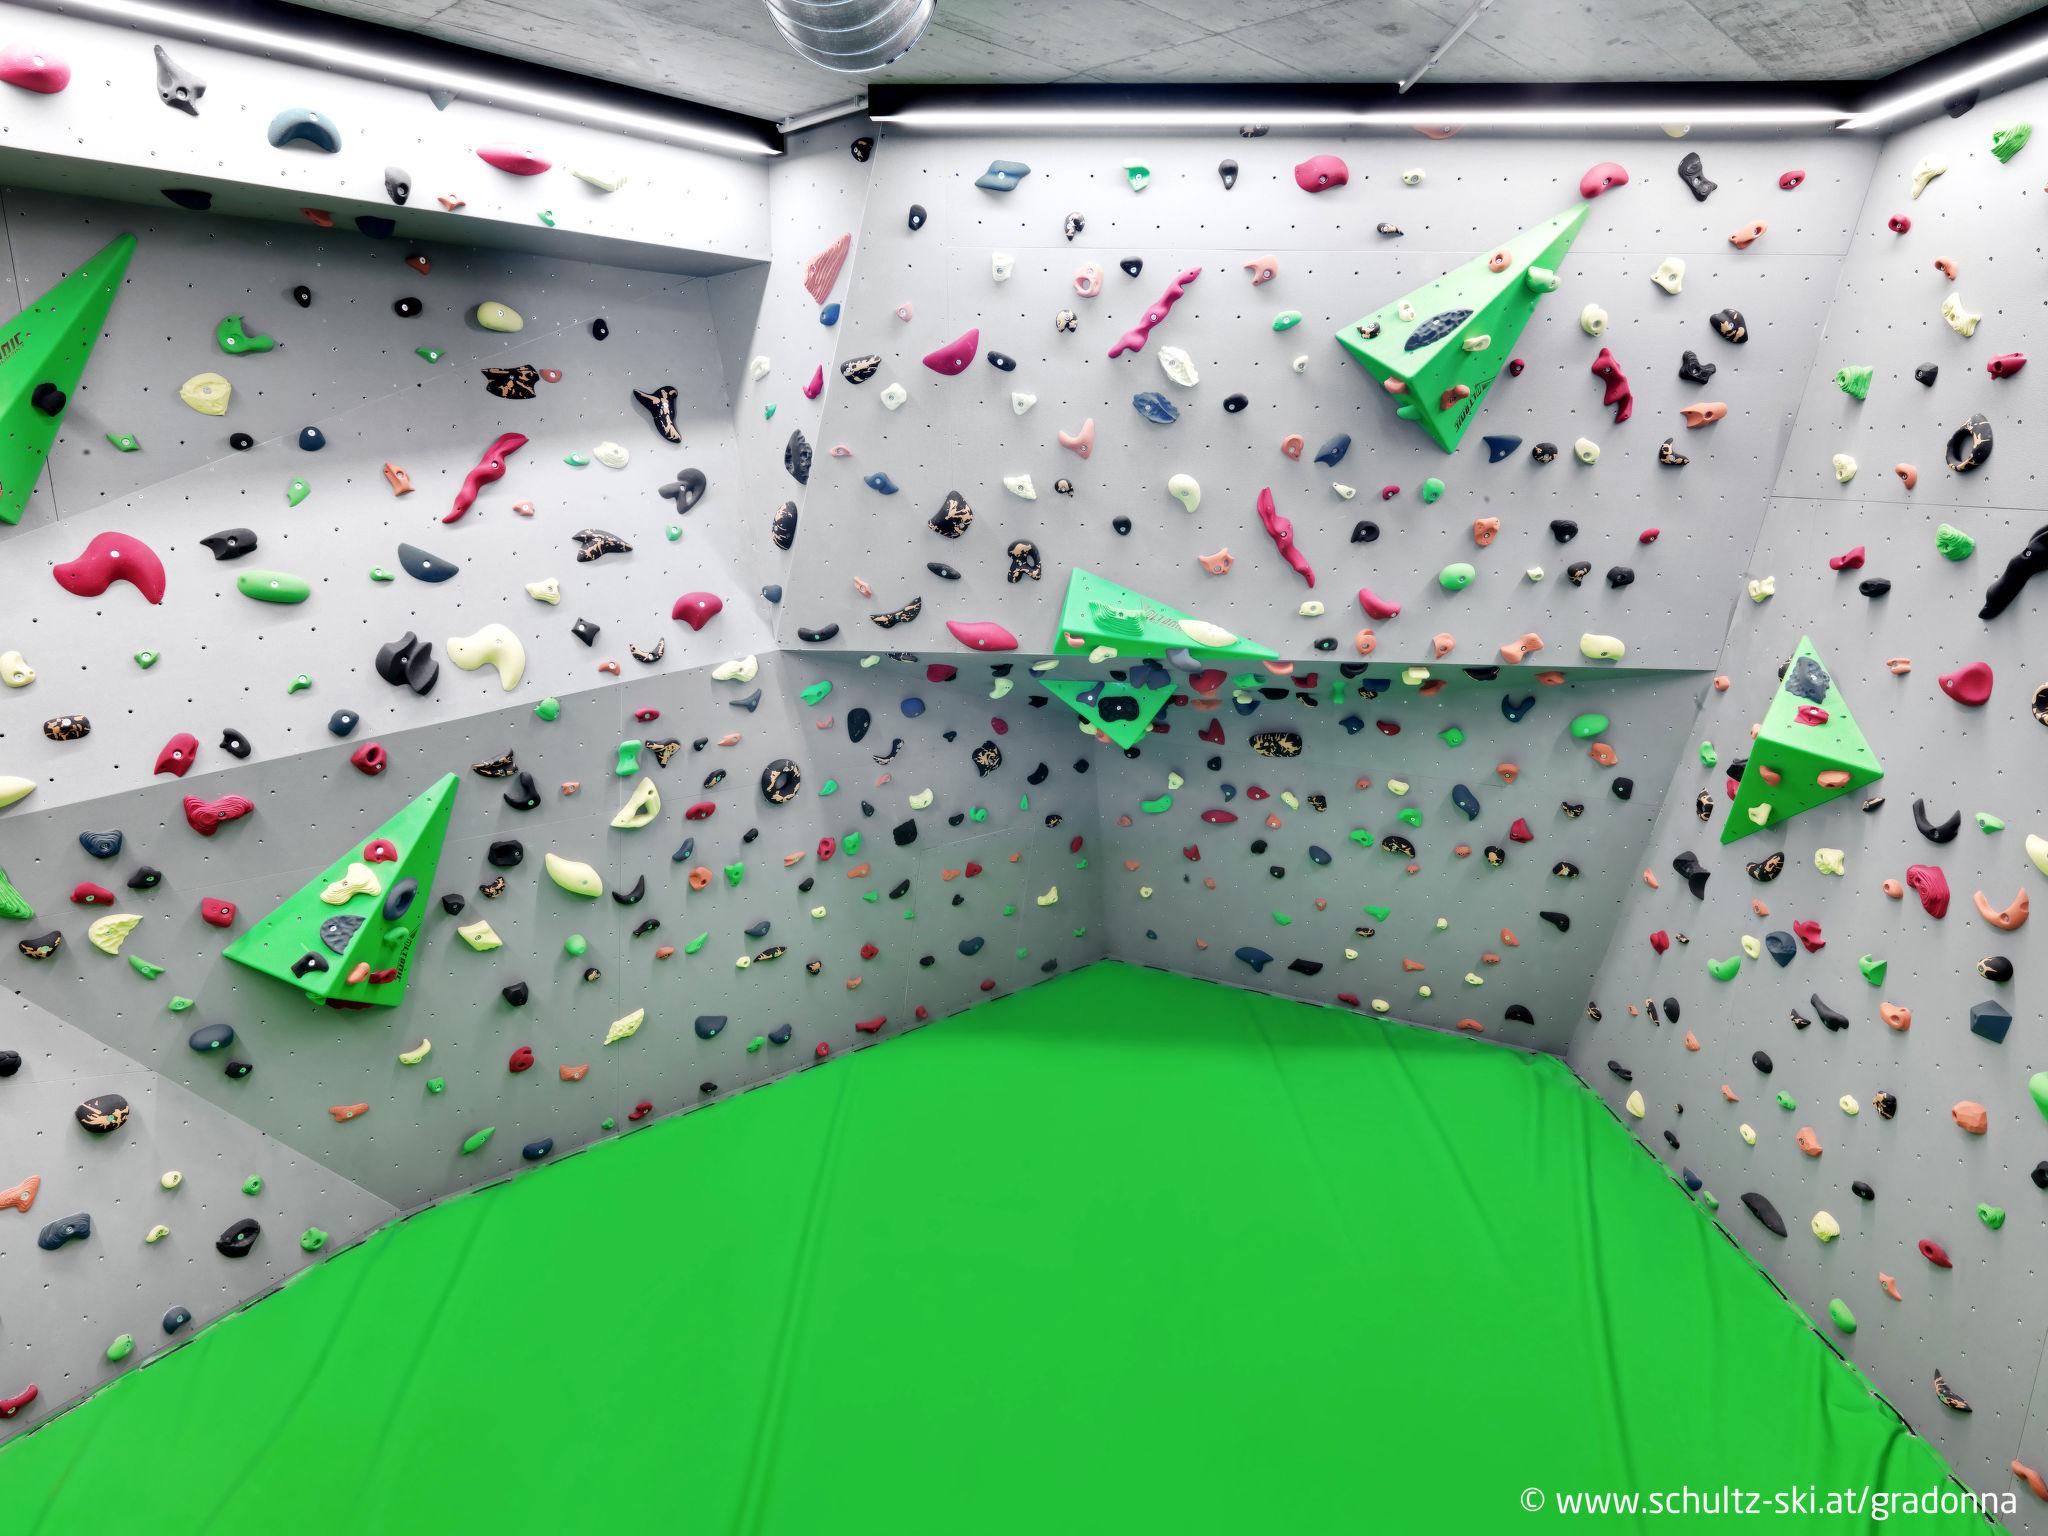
[(300, 48), (1052, 117), (1941, 90)]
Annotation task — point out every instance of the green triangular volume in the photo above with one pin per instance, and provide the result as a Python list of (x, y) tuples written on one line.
[(1128, 728), (1797, 755), (1099, 612), (48, 344), (386, 931), (1425, 354)]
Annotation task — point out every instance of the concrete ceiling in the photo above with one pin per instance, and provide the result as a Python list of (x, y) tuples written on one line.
[(727, 52)]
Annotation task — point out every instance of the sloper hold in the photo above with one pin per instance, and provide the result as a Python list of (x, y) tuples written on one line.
[(1799, 754), (1098, 611), (1426, 379), (56, 334), (390, 930), (1121, 711)]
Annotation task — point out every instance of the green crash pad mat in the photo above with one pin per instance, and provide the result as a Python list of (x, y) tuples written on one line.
[(1123, 1253)]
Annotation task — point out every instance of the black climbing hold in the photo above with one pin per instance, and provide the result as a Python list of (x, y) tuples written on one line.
[(1563, 529), (1693, 371), (101, 1113), (211, 1037), (516, 993), (453, 905), (942, 570), (101, 845), (1693, 873), (633, 895), (1514, 710), (861, 148), (190, 197), (422, 566), (1132, 265), (69, 1229), (1519, 1013), (1694, 175), (599, 328), (1945, 832), (1874, 586), (2023, 567), (817, 636), (147, 878), (2040, 1175), (1235, 403), (1765, 1212), (534, 1151), (1927, 373), (230, 543), (241, 442), (1544, 453), (1761, 1060), (917, 216), (686, 490), (1227, 171), (1559, 920), (904, 833), (709, 1024), (1861, 1190), (796, 457), (1619, 576), (1621, 1072), (1623, 788), (506, 853), (1121, 526), (1833, 1018), (176, 1318), (1365, 531), (307, 964), (407, 308), (1002, 361), (1465, 801), (376, 226), (524, 795), (857, 722), (236, 1242), (585, 631)]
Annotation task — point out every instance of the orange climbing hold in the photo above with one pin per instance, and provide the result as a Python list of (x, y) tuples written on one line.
[(1945, 267), (1443, 643), (1472, 1024), (400, 481), (1743, 238), (1808, 1142), (2006, 918), (1507, 937), (574, 1074), (2031, 1478), (1971, 1116), (342, 1112), (1508, 772), (1730, 1094), (1485, 530), (1896, 1015), (1704, 414), (1366, 641), (1603, 754), (1692, 1041), (22, 1195), (1516, 651), (1891, 1286)]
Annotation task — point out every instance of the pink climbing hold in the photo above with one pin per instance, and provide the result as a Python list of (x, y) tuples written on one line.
[(488, 468), (1898, 223), (517, 162), (952, 359), (1389, 492), (1608, 371), (1281, 531), (43, 73), (1852, 561), (2006, 365), (1969, 685), (982, 634), (109, 558), (176, 757), (817, 385), (822, 270), (1319, 173), (1375, 606), (1081, 443), (207, 816), (1134, 339), (1931, 886), (1604, 177), (1790, 180), (697, 609)]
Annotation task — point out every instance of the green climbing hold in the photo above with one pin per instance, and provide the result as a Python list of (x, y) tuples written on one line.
[(1410, 815), (1432, 490), (1377, 914), (13, 904), (979, 813), (1283, 919), (181, 1005), (299, 684), (850, 844), (829, 787), (312, 1239), (1362, 836), (378, 573), (629, 759), (768, 413), (549, 708), (230, 337), (734, 874), (2010, 140), (1157, 805), (49, 344), (253, 1185), (1708, 756), (436, 1084), (607, 1124), (429, 354), (673, 530), (1287, 320), (296, 492), (1456, 577), (816, 693), (1451, 736), (1445, 343), (1953, 543), (576, 460), (122, 1347), (1709, 1199), (124, 441), (474, 1142), (273, 586), (143, 968), (1786, 1101), (1855, 381), (754, 1045), (696, 944), (147, 659), (1873, 969), (1586, 727), (1993, 1216), (2037, 1085), (1798, 755), (547, 217), (1986, 822), (312, 924), (1725, 970), (1840, 1315), (575, 945)]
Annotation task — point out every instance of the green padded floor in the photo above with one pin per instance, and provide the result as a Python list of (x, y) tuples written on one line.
[(1124, 1253)]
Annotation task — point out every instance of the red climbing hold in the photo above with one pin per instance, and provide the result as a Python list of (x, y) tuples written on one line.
[(522, 1059), (871, 1026), (1931, 886), (1660, 941), (205, 816), (1790, 180), (1389, 492), (1219, 818), (827, 846), (488, 468), (109, 558), (220, 914), (1898, 223), (2006, 365), (1603, 177), (868, 951), (982, 634), (1852, 561), (86, 894), (697, 609), (641, 1110), (1281, 531), (177, 754), (1935, 1254), (1319, 173), (380, 850), (701, 811), (1519, 832), (1608, 371), (1969, 685), (1134, 339), (952, 359), (1807, 931), (10, 1406), (517, 162), (370, 758), (1375, 606), (1212, 733), (817, 385)]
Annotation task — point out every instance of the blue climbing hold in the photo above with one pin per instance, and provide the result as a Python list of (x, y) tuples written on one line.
[(1465, 801), (1332, 452), (312, 439), (101, 845), (69, 1230), (1515, 710), (709, 1024), (1318, 855), (829, 315), (302, 125), (1002, 175), (1780, 946), (773, 592), (1154, 406), (880, 481), (1353, 725), (534, 1151), (1498, 448), (972, 946), (912, 707), (1254, 957)]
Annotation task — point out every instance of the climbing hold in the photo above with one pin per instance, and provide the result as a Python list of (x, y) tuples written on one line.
[(1693, 174), (302, 125), (1604, 177), (1319, 173), (1969, 446)]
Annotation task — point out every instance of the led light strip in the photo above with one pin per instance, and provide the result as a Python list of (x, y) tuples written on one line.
[(192, 26), (1139, 118), (1951, 85)]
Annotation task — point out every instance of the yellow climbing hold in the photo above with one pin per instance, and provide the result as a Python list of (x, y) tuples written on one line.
[(1634, 1103), (493, 316), (493, 645), (626, 1028), (416, 1055), (480, 936), (360, 880), (643, 806), (1825, 1227), (13, 788), (108, 933), (206, 393), (1050, 898), (574, 876)]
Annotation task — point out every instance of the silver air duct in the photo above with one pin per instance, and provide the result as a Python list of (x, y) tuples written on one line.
[(851, 37)]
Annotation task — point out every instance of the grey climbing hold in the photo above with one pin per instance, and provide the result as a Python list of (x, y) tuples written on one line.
[(1694, 175), (302, 125), (176, 86), (397, 184), (1002, 175), (686, 490)]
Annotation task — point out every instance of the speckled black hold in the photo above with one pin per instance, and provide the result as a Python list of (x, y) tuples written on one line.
[(1577, 572), (780, 781), (796, 457), (1730, 325), (102, 1113), (1544, 453)]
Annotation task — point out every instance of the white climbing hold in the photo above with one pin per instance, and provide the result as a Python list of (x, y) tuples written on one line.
[(1404, 310), (2037, 850), (1845, 468), (604, 181), (1185, 490), (493, 645), (417, 1054), (1178, 365), (1412, 177), (893, 395), (1020, 402), (1592, 319), (1020, 485), (741, 670), (1747, 1133), (546, 590), (1586, 450), (1478, 343), (1670, 275), (1344, 492), (1000, 265), (15, 671), (1300, 364), (1312, 608), (610, 454), (1097, 656), (1051, 898), (1206, 636), (207, 393), (1930, 166), (1825, 1227), (758, 368), (1634, 1103)]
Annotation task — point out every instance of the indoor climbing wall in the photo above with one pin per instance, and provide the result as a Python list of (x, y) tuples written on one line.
[(1851, 1075)]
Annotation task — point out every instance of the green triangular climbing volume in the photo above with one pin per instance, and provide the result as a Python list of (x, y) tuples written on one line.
[(1099, 612), (1124, 724), (1424, 358), (1797, 755), (47, 344), (345, 929)]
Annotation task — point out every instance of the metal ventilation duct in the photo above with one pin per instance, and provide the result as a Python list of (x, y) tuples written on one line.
[(851, 37)]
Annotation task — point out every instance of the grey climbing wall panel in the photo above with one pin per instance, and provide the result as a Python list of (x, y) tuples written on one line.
[(962, 433), (1977, 1323)]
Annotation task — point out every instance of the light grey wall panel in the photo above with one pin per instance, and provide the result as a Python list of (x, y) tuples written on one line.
[(962, 433)]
